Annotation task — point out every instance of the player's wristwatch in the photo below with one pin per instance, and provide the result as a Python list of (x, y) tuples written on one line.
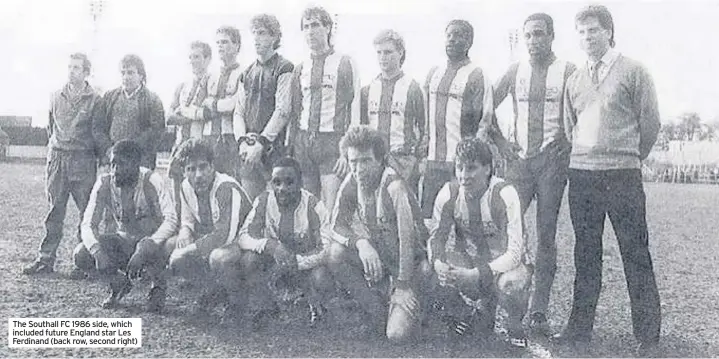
[(252, 138)]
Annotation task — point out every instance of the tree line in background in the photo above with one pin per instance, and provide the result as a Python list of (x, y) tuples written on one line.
[(689, 127)]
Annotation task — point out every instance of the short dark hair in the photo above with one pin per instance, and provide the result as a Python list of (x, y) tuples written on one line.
[(540, 16), (320, 13), (467, 27), (288, 162), (86, 65), (203, 47), (135, 61), (270, 23), (194, 149), (602, 14), (364, 138), (128, 149), (232, 32), (395, 38), (474, 150)]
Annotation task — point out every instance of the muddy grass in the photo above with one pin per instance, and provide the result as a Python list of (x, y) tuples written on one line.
[(684, 244)]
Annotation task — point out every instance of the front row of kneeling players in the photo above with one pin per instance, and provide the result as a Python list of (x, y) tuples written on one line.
[(374, 243)]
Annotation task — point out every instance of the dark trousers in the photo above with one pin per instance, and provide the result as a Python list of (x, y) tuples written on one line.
[(619, 194), (68, 173), (542, 177)]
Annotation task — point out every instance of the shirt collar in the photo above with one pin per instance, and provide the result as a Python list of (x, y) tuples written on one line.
[(608, 59), (131, 95)]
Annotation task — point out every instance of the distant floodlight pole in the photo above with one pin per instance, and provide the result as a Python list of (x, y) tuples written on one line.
[(513, 37)]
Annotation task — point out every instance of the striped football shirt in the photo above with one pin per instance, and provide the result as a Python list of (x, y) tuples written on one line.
[(395, 107), (490, 229), (458, 98), (215, 218), (326, 93), (304, 231)]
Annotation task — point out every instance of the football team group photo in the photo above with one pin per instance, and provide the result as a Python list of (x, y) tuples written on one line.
[(300, 210)]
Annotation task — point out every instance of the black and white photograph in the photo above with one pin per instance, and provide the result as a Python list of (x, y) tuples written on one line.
[(359, 178)]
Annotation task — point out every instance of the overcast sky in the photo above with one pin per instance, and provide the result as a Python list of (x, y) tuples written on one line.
[(675, 39)]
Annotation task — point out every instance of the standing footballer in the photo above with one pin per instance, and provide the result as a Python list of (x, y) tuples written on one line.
[(459, 98), (537, 149), (262, 114), (393, 104), (325, 97)]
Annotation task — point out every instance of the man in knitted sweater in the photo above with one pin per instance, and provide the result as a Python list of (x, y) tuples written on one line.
[(134, 112), (612, 122)]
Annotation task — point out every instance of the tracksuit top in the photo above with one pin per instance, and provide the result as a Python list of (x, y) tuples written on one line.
[(153, 210)]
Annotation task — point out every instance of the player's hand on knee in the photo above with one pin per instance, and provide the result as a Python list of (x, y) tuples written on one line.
[(341, 168), (370, 260), (442, 270), (282, 256), (142, 255), (407, 300)]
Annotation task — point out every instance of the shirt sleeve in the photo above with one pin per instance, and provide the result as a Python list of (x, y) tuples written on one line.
[(440, 224), (238, 117), (100, 127), (226, 105), (319, 255), (51, 116), (281, 115), (349, 89), (187, 219), (505, 85), (93, 216), (424, 140), (516, 240), (364, 106), (295, 106), (343, 213), (416, 114), (172, 118), (233, 209), (484, 105), (570, 116), (647, 109), (167, 208), (252, 236), (406, 231)]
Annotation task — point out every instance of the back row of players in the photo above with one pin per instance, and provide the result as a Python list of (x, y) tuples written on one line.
[(424, 153)]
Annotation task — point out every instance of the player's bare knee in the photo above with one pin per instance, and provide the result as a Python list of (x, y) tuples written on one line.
[(338, 254), (82, 258), (220, 259)]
